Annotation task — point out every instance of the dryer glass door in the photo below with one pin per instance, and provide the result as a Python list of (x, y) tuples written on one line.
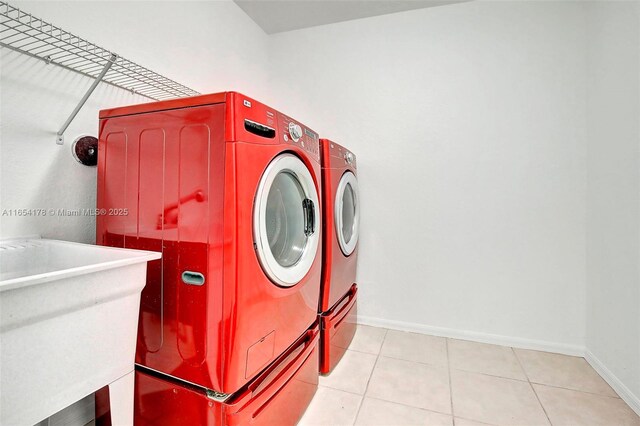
[(347, 213), (286, 220)]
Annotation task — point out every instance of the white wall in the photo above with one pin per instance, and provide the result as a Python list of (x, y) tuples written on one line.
[(208, 46), (468, 123), (613, 193)]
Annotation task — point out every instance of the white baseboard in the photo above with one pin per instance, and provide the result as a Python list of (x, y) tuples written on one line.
[(496, 339), (621, 389)]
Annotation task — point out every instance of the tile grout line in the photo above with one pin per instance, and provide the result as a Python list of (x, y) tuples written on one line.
[(366, 388), (411, 406), (544, 410), (576, 390), (431, 364), (490, 375), (477, 421), (340, 390), (361, 352), (453, 417)]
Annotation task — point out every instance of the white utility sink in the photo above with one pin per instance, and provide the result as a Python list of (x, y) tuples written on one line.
[(68, 323)]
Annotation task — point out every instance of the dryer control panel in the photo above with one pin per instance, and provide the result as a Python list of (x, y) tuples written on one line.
[(293, 133), (341, 156)]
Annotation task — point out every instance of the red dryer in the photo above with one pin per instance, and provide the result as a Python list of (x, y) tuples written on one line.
[(227, 189), (338, 297)]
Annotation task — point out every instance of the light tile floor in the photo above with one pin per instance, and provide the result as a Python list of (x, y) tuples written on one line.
[(395, 378)]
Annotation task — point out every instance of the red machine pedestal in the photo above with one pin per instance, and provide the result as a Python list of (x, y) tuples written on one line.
[(337, 328), (279, 396)]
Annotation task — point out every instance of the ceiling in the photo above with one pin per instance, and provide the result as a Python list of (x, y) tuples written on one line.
[(275, 16)]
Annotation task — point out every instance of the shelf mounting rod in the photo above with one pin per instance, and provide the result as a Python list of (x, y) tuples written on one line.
[(107, 66)]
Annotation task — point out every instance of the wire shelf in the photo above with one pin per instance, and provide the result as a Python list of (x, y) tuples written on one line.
[(32, 36)]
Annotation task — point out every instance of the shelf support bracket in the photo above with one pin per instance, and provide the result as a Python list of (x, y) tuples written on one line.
[(107, 66)]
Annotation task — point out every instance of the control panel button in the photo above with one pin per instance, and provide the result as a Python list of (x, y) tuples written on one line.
[(295, 131), (348, 157)]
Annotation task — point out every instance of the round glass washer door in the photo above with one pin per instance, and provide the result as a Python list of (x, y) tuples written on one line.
[(286, 220), (347, 213)]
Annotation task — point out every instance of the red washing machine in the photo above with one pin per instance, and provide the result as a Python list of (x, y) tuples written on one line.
[(341, 217), (227, 189)]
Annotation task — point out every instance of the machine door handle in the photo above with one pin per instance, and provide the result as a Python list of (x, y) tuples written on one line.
[(192, 278), (309, 214)]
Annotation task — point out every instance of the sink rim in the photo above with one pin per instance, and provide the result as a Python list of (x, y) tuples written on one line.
[(136, 256)]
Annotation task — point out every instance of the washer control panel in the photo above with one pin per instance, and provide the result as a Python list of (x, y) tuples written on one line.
[(294, 133)]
